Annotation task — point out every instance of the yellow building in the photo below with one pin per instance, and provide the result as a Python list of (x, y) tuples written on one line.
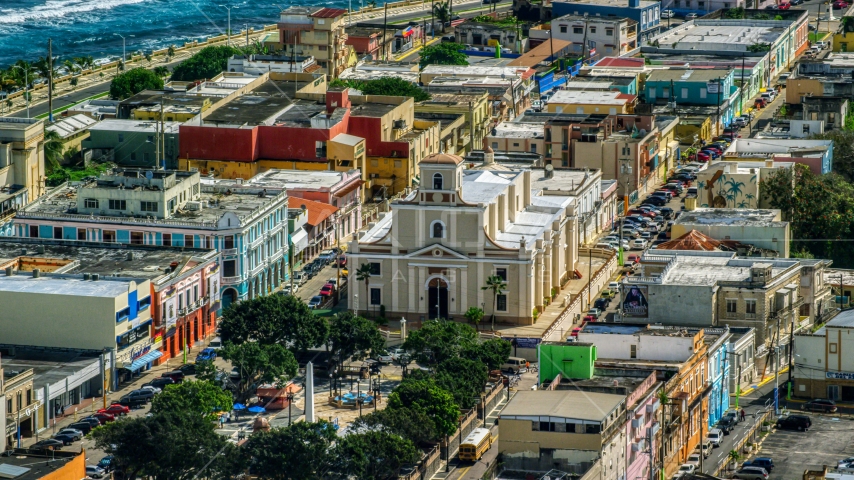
[(843, 39), (475, 109), (72, 130), (805, 87), (688, 127), (583, 101)]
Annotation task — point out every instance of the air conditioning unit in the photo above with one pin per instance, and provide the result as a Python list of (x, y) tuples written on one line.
[(374, 175)]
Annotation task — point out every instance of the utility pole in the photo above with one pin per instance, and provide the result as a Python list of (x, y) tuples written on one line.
[(157, 135), (777, 371), (791, 357), (385, 27), (552, 46), (432, 19), (50, 80), (584, 41), (718, 117)]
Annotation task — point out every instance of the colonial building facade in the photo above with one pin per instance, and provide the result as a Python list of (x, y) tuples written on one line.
[(432, 253)]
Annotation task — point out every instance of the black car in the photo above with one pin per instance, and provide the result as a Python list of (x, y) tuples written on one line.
[(655, 201), (47, 444), (794, 422), (601, 304), (65, 439), (761, 462), (160, 382), (84, 427), (187, 369), (725, 425), (91, 421), (666, 212), (820, 405)]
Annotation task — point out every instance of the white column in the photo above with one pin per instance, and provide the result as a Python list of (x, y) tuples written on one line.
[(412, 304), (309, 392), (394, 286), (464, 290)]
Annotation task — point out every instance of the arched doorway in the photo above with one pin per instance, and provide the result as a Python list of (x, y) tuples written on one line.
[(229, 296), (437, 296)]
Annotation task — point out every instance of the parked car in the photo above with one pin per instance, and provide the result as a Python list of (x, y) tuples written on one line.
[(845, 468), (820, 405), (845, 460), (103, 417), (732, 415), (609, 293), (287, 290), (794, 422), (751, 473), (687, 469), (136, 396), (606, 246), (72, 432), (84, 427), (160, 382), (115, 409), (715, 437), (154, 390), (703, 157), (667, 14), (177, 376), (694, 459), (94, 422), (215, 344), (327, 290), (691, 16), (315, 302), (615, 286), (707, 448), (595, 312), (95, 471), (47, 444), (601, 303), (761, 462), (639, 244), (840, 4), (725, 425), (187, 369), (206, 355), (107, 463), (65, 439), (654, 201)]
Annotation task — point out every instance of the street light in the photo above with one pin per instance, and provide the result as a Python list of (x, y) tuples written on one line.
[(228, 33), (26, 87), (124, 50)]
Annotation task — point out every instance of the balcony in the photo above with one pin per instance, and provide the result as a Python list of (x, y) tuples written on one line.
[(230, 280), (229, 252)]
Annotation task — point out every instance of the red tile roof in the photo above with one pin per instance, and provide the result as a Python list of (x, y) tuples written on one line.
[(696, 241), (317, 211), (328, 13)]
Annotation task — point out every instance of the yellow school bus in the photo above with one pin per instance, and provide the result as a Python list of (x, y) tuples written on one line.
[(475, 444)]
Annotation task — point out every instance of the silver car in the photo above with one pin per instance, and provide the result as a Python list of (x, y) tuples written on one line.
[(751, 473)]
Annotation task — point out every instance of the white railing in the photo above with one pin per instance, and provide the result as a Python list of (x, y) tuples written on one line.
[(230, 280)]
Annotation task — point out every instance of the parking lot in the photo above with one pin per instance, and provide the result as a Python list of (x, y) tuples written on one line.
[(830, 439)]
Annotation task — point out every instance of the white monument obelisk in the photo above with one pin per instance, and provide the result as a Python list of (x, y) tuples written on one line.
[(309, 392)]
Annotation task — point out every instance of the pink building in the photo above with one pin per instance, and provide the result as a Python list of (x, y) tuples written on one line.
[(644, 413)]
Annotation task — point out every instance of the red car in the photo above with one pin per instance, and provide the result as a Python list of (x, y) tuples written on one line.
[(703, 157), (327, 290), (840, 4), (642, 213), (103, 417), (784, 6), (115, 409), (575, 332), (589, 318), (714, 149)]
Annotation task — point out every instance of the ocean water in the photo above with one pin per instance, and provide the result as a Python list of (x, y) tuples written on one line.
[(87, 27)]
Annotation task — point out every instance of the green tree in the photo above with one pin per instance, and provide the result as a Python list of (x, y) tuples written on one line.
[(374, 455), (410, 423), (391, 86), (464, 378), (442, 339), (71, 66), (161, 71), (200, 397), (354, 337), (442, 11), (260, 363), (207, 63), (169, 446), (363, 274), (170, 52), (134, 81), (474, 315), (436, 402), (207, 371), (298, 452), (493, 352), (52, 149), (148, 57), (843, 148), (496, 284), (447, 53), (274, 319), (74, 82)]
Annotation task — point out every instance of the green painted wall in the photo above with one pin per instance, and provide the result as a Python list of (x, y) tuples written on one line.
[(569, 359)]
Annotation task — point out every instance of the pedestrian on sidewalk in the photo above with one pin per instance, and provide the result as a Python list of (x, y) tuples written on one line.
[(742, 414)]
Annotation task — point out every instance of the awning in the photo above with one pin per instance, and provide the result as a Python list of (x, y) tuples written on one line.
[(145, 360), (299, 240)]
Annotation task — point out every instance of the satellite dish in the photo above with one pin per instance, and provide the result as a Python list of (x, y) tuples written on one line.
[(549, 167), (148, 174)]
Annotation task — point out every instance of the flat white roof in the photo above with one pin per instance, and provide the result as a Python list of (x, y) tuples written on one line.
[(706, 35), (47, 285), (518, 130), (587, 97), (474, 70), (134, 126)]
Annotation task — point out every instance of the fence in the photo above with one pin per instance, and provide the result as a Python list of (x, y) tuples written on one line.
[(739, 446), (556, 330)]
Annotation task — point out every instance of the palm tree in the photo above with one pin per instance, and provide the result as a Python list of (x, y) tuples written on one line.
[(443, 13), (71, 67), (734, 186), (161, 71), (496, 284), (170, 52), (52, 148), (363, 274)]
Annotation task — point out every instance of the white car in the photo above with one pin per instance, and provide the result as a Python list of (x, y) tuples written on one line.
[(691, 16), (686, 468), (715, 436), (151, 388), (95, 471), (845, 468), (667, 14), (384, 358), (844, 460), (615, 286), (396, 353), (693, 459), (638, 244)]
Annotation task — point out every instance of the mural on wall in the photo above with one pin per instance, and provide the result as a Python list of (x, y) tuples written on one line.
[(727, 191)]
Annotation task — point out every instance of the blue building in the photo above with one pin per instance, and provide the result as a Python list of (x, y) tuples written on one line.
[(165, 207), (647, 13), (707, 87), (718, 340)]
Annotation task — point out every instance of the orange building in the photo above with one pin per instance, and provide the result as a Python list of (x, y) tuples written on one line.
[(57, 465)]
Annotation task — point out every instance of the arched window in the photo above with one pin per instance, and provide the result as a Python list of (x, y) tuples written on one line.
[(437, 229), (437, 181)]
